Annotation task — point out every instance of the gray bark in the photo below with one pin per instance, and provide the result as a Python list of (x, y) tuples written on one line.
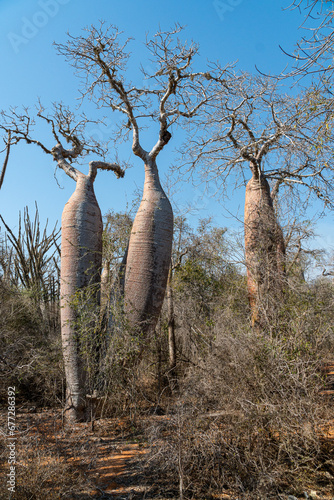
[(81, 260), (149, 255)]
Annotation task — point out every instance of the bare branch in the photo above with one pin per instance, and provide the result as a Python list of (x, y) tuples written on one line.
[(4, 167), (174, 93), (329, 273), (64, 126), (256, 126), (94, 165), (313, 54), (59, 155)]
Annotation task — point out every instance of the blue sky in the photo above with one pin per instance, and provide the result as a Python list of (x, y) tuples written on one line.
[(247, 31)]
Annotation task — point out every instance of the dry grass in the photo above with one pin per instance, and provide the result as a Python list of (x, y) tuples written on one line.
[(58, 462)]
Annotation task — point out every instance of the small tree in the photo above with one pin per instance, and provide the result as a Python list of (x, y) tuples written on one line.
[(31, 262), (199, 278), (117, 229)]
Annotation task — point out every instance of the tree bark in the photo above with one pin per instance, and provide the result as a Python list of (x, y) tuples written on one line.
[(105, 286), (264, 250), (149, 255), (172, 372), (5, 163), (171, 324), (81, 261)]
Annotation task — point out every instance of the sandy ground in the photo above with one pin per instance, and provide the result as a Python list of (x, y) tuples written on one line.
[(85, 461)]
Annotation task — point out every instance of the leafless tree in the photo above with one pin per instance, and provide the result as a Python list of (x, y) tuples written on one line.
[(81, 244), (273, 136), (172, 93)]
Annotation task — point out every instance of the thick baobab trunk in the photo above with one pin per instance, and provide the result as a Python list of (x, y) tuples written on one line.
[(81, 259), (264, 249), (149, 255)]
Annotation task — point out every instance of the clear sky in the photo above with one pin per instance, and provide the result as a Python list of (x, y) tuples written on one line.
[(247, 31)]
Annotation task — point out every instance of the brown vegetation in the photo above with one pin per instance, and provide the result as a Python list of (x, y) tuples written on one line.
[(251, 415)]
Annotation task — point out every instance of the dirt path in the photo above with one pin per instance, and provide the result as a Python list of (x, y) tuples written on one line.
[(81, 462), (114, 468), (58, 462)]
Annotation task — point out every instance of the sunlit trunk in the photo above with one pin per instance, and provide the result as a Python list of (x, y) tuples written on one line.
[(265, 251), (81, 259), (149, 256)]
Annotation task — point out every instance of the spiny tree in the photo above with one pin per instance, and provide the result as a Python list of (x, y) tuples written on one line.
[(31, 262), (81, 239), (174, 92), (271, 135)]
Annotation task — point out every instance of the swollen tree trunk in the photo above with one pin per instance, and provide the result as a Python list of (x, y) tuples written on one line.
[(81, 260), (265, 251), (81, 250), (149, 255)]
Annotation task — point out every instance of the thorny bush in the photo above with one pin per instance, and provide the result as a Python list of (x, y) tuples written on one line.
[(250, 414)]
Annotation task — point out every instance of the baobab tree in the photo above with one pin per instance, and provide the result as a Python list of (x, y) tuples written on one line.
[(174, 92), (81, 237), (258, 129)]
